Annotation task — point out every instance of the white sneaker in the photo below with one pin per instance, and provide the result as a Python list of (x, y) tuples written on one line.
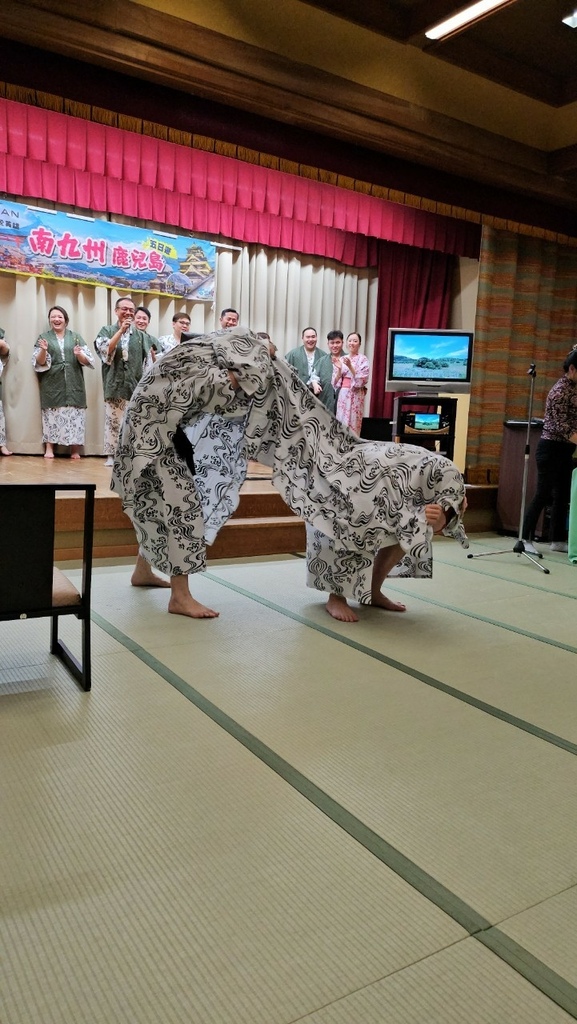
[(109, 461), (558, 545), (530, 548)]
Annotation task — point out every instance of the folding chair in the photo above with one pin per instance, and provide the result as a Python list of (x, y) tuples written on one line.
[(30, 585)]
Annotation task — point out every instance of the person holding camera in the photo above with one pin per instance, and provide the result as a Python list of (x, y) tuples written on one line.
[(123, 349)]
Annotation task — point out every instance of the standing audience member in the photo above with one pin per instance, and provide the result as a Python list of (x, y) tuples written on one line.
[(123, 349), (58, 358), (142, 319), (335, 341), (180, 325), (350, 377), (554, 457), (228, 318), (4, 355), (314, 368)]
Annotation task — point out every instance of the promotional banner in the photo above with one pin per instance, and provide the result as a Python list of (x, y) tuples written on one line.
[(68, 247)]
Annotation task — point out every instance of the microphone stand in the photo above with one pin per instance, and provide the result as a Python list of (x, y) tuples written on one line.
[(519, 547)]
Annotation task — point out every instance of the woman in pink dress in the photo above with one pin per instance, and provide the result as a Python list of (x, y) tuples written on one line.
[(350, 376)]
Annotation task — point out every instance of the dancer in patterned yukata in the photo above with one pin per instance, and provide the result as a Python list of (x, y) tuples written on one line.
[(357, 497)]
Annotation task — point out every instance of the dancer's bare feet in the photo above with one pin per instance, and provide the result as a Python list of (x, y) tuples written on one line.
[(75, 454), (4, 450), (49, 453), (143, 576), (385, 560), (338, 607), (188, 606), (182, 603), (380, 601)]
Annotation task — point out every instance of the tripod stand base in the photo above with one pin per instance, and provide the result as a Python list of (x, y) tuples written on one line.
[(518, 549)]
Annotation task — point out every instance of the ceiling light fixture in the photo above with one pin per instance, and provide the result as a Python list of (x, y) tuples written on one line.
[(570, 20), (471, 13)]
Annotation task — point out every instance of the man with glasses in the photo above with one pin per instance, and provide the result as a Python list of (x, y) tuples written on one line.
[(123, 349), (180, 326)]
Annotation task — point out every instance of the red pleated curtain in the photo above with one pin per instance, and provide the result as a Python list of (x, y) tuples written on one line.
[(52, 156)]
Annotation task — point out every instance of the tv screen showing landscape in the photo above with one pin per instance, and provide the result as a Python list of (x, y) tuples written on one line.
[(427, 421), (430, 356)]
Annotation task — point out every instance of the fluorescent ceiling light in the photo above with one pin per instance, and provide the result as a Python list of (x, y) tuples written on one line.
[(457, 21), (570, 20)]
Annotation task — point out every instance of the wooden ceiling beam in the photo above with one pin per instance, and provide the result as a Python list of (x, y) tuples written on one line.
[(165, 50), (563, 161), (386, 19), (465, 52)]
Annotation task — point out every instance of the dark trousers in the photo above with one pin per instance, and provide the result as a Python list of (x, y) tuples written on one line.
[(555, 465)]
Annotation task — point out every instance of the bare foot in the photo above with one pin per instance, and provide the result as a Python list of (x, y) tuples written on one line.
[(75, 455), (151, 580), (380, 601), (337, 607), (48, 455), (4, 450), (186, 605), (143, 576)]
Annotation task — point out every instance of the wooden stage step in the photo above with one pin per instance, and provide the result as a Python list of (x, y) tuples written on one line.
[(262, 524)]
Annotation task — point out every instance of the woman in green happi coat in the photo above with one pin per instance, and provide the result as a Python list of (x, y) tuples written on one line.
[(59, 358)]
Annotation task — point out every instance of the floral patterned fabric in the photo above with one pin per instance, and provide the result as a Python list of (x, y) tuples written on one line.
[(560, 411), (351, 392), (63, 425)]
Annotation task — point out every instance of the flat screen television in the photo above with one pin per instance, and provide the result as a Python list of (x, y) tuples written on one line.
[(429, 362)]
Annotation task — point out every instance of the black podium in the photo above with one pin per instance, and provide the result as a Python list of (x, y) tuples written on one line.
[(511, 471), (373, 428)]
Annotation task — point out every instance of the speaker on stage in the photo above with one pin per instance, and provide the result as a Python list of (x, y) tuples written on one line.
[(375, 429)]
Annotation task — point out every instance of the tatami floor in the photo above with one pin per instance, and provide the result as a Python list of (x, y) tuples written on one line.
[(273, 817)]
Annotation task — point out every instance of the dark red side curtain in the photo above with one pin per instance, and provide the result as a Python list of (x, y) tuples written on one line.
[(414, 291)]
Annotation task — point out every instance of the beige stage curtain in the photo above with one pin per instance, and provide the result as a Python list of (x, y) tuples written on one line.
[(277, 292), (526, 313), (284, 292)]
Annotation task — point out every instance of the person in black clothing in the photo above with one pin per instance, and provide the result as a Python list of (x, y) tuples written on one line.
[(554, 457)]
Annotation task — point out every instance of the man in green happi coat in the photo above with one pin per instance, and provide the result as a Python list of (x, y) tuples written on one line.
[(314, 368), (124, 351)]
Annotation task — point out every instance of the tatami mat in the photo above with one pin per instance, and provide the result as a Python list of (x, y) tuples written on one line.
[(460, 984), (155, 868)]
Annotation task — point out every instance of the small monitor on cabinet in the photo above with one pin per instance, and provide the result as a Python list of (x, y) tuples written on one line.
[(429, 361)]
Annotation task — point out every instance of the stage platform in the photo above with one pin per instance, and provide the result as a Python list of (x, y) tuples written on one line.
[(262, 524)]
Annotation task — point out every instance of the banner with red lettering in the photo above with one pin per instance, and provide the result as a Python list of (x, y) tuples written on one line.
[(46, 243)]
